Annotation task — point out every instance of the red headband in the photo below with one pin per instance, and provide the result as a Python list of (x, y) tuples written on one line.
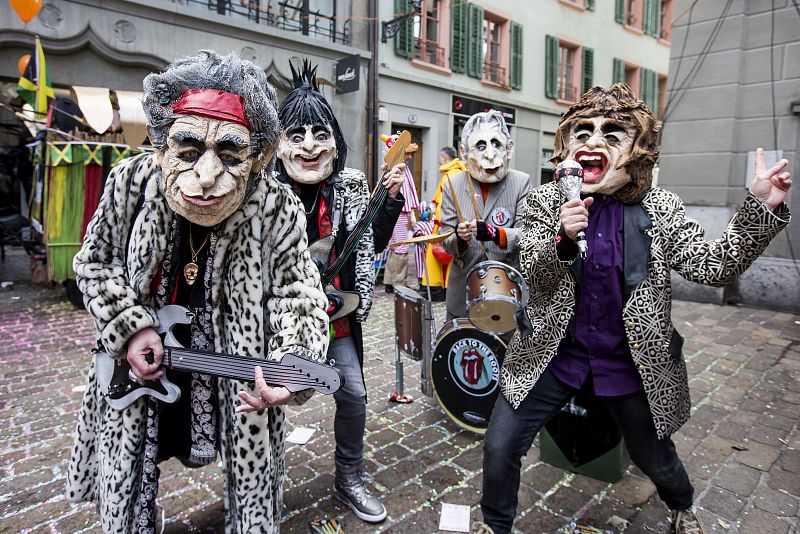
[(212, 103)]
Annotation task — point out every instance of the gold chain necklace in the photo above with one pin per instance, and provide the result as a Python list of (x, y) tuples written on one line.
[(191, 269)]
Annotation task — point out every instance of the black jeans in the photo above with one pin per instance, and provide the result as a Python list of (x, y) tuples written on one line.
[(350, 419), (511, 432)]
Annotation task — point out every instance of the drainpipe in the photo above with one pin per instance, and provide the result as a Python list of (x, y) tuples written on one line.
[(372, 92)]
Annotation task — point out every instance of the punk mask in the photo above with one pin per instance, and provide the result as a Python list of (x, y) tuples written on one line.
[(311, 146)]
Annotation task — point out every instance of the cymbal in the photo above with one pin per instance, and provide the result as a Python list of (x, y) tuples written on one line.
[(432, 238)]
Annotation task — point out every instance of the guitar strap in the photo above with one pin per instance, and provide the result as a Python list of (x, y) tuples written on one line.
[(338, 208), (373, 207)]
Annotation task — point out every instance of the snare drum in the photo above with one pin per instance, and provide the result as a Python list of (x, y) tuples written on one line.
[(495, 292), (408, 322), (465, 370)]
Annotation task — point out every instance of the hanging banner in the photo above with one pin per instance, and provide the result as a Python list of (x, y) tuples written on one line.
[(95, 104), (131, 115)]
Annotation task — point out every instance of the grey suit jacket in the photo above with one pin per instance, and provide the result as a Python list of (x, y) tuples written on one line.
[(504, 208)]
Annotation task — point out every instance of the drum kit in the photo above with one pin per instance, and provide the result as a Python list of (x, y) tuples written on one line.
[(461, 365)]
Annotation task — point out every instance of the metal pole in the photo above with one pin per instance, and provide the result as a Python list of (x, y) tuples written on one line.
[(428, 327)]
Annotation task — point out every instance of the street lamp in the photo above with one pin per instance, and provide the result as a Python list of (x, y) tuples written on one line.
[(390, 27)]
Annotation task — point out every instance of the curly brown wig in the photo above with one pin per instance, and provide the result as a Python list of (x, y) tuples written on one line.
[(619, 103)]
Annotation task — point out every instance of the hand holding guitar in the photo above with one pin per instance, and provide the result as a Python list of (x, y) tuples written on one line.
[(393, 179), (145, 351), (268, 395)]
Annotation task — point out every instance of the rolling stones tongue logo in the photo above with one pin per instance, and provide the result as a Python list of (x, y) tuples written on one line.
[(472, 366)]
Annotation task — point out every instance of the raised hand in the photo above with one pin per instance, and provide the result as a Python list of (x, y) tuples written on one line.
[(393, 179), (771, 185)]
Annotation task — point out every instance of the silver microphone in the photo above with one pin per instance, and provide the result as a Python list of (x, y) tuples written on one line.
[(569, 174)]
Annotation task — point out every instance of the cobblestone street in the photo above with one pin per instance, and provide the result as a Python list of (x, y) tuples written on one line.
[(741, 446)]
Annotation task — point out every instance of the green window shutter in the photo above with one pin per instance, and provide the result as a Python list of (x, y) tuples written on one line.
[(588, 69), (656, 24), (652, 18), (618, 76), (404, 38), (475, 40), (458, 36), (550, 66), (619, 11), (515, 77), (648, 90), (589, 5)]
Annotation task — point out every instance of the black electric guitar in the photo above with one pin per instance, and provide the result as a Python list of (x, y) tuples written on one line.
[(121, 387), (342, 303)]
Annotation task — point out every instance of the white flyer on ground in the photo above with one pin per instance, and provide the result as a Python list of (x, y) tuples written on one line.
[(454, 518), (300, 435)]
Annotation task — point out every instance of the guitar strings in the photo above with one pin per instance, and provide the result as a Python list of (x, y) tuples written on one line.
[(376, 200), (273, 371)]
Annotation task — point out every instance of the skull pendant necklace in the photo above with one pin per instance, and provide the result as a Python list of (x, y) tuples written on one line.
[(191, 269)]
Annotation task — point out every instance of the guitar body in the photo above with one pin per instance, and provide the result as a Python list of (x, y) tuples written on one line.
[(121, 388), (114, 376), (340, 303), (120, 391)]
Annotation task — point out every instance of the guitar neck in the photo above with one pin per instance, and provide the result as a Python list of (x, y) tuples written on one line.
[(237, 367)]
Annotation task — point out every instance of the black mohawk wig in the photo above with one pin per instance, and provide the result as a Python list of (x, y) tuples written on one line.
[(304, 105)]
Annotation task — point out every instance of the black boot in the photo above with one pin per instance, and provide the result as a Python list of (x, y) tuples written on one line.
[(350, 489)]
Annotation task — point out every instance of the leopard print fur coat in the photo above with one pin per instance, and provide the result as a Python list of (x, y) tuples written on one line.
[(268, 301), (675, 242)]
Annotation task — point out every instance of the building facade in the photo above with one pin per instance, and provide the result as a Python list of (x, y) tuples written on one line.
[(528, 59), (735, 87), (116, 43)]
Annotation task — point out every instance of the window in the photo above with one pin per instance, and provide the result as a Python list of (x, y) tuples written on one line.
[(633, 77), (566, 72), (629, 13), (569, 70), (427, 33), (666, 20), (633, 13), (653, 17), (493, 69), (485, 44)]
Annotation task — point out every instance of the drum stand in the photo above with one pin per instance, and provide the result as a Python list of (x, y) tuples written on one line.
[(428, 327), (425, 384)]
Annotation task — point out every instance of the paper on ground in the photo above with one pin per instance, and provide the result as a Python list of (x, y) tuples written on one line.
[(300, 435), (454, 518)]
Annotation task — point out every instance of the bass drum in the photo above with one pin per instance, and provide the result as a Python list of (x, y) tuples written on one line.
[(465, 371)]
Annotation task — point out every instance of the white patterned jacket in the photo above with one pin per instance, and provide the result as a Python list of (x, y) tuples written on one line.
[(658, 237)]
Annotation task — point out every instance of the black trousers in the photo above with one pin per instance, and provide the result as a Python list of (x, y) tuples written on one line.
[(511, 433)]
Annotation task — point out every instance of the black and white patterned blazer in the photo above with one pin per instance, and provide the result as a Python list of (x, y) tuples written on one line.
[(659, 237)]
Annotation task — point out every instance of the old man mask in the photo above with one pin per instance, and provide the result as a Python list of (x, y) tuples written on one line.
[(486, 147), (613, 135), (214, 124), (311, 146)]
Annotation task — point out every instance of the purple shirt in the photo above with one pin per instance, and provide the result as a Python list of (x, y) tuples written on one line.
[(595, 344)]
